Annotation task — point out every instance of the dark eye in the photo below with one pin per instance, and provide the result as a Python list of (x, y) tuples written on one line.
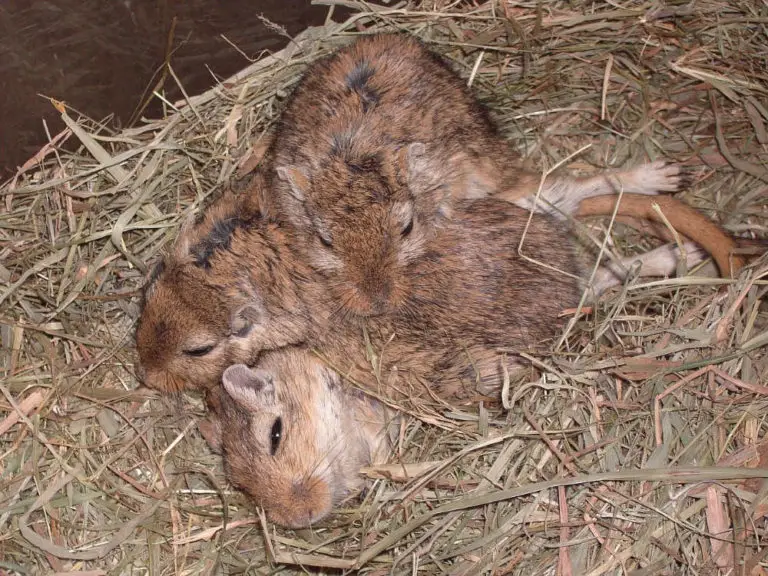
[(325, 239), (276, 435), (202, 351), (408, 228)]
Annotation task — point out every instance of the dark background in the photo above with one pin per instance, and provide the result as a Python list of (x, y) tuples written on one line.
[(100, 56)]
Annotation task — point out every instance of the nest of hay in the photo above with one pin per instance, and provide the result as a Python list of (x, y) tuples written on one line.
[(617, 459)]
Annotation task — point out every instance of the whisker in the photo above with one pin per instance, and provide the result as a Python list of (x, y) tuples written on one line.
[(326, 461)]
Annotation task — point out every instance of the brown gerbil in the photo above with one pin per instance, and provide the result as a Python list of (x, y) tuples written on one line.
[(189, 331), (378, 142), (294, 438), (470, 298), (232, 290)]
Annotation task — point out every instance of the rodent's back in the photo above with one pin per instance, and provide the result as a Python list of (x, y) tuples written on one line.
[(472, 292), (497, 293), (376, 143), (390, 85)]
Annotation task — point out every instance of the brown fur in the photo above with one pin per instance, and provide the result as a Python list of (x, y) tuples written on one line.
[(186, 308), (468, 294), (470, 291), (324, 435), (377, 145)]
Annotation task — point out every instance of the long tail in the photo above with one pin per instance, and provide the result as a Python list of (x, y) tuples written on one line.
[(684, 218)]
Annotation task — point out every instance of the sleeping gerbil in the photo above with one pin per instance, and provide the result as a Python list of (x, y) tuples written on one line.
[(294, 436), (377, 144), (189, 331)]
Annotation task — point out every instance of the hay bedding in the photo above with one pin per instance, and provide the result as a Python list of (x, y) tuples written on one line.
[(575, 478)]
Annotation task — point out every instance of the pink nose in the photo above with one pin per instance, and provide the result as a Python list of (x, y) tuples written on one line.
[(307, 502)]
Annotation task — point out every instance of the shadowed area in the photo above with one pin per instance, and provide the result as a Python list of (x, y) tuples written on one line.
[(105, 58)]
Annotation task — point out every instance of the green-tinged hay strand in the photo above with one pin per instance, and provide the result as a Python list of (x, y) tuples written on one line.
[(615, 455)]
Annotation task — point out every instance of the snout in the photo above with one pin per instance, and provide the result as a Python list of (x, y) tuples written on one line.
[(160, 380), (375, 290), (305, 503)]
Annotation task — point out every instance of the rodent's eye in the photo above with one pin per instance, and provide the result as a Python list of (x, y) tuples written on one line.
[(325, 239), (408, 228), (201, 351), (276, 435)]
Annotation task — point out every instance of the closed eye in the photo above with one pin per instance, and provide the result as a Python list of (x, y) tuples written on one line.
[(325, 240), (201, 351), (408, 228)]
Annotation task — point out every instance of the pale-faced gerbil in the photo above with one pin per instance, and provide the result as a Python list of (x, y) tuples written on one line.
[(294, 438), (377, 144)]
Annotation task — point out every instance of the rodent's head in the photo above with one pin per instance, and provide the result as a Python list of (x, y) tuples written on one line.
[(362, 225), (294, 439), (226, 293), (183, 334)]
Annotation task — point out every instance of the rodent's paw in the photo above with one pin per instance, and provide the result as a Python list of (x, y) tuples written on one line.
[(658, 176), (694, 254)]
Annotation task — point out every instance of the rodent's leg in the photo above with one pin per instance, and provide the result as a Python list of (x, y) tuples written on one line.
[(562, 194), (661, 261), (482, 369)]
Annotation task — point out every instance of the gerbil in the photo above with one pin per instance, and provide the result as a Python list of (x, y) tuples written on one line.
[(294, 438), (189, 331), (378, 142), (448, 334)]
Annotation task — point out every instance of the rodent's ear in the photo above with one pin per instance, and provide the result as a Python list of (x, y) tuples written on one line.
[(298, 180), (181, 249), (210, 429), (156, 270), (244, 319), (253, 390)]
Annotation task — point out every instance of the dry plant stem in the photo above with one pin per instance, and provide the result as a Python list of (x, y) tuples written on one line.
[(675, 475), (753, 169), (723, 326), (61, 552), (717, 523), (566, 463), (709, 369), (564, 567), (30, 403)]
